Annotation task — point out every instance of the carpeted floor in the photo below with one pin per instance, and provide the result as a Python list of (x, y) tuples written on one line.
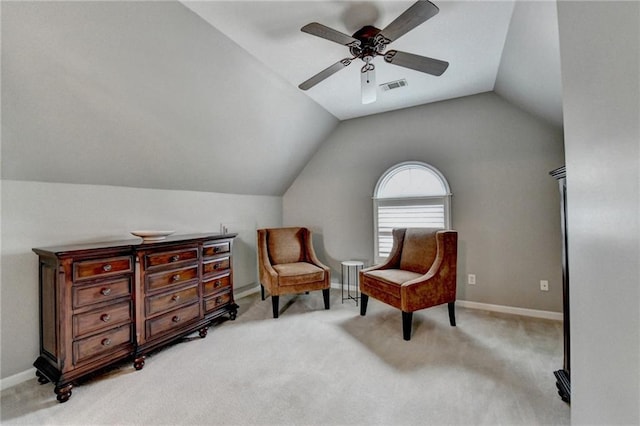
[(334, 367)]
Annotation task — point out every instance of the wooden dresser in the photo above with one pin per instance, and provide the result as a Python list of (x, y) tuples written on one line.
[(105, 302)]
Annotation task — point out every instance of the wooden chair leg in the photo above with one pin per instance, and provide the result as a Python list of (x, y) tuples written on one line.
[(364, 299), (407, 318), (325, 295), (275, 301), (452, 314)]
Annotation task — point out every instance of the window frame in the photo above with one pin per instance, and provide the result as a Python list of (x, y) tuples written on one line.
[(444, 199)]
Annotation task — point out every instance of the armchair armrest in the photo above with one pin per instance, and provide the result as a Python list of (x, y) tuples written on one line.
[(267, 274), (310, 252), (393, 260)]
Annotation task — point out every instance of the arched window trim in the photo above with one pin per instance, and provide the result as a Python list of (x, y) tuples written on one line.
[(443, 199), (391, 171)]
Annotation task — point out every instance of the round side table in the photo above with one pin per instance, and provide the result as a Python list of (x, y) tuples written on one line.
[(350, 279)]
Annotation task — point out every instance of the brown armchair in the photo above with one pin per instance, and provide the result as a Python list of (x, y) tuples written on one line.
[(420, 272), (288, 264)]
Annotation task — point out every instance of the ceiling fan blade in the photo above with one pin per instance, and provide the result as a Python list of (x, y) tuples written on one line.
[(416, 62), (327, 72), (409, 19), (325, 32)]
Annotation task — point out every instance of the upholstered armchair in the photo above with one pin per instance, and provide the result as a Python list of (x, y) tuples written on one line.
[(288, 264), (420, 272)]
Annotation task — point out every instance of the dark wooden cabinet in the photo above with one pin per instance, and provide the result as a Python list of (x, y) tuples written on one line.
[(106, 302), (563, 376)]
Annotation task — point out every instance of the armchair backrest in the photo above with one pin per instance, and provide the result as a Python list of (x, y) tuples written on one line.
[(419, 249), (286, 245)]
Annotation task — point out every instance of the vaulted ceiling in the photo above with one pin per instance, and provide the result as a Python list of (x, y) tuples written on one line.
[(204, 96), (508, 46)]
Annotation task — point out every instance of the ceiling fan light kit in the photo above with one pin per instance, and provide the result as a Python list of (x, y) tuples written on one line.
[(369, 42), (368, 86)]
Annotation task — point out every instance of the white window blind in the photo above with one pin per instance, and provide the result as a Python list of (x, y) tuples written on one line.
[(423, 214)]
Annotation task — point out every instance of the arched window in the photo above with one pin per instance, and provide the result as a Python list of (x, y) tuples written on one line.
[(409, 194)]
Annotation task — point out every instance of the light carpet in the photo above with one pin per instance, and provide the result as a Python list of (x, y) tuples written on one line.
[(318, 367)]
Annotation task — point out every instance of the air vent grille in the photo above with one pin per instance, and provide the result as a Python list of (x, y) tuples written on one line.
[(394, 84)]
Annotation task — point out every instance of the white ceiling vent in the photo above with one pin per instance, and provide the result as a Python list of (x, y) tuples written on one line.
[(394, 84)]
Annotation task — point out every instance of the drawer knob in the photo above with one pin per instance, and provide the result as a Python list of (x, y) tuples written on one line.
[(106, 267), (105, 317), (175, 298), (218, 300), (217, 249), (175, 258), (106, 342), (176, 319), (217, 284), (176, 277), (105, 291), (216, 266)]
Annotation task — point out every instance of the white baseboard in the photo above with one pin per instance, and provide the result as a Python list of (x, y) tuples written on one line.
[(534, 313), (243, 292), (16, 379)]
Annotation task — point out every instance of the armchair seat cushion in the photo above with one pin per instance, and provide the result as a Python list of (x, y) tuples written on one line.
[(386, 284), (394, 276), (298, 273)]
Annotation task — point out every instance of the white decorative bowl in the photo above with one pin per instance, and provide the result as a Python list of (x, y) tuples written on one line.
[(148, 236)]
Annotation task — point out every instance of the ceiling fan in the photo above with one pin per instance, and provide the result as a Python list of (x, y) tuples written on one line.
[(369, 42)]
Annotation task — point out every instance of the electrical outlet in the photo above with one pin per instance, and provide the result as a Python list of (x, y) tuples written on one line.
[(544, 285), (471, 279)]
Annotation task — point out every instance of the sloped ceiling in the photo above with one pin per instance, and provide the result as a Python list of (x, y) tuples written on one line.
[(146, 94), (529, 74), (155, 95), (510, 46)]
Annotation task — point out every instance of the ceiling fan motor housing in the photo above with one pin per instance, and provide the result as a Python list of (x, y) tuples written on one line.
[(370, 43)]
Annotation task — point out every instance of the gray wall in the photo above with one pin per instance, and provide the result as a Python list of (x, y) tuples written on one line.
[(146, 94), (505, 205), (36, 214), (601, 96)]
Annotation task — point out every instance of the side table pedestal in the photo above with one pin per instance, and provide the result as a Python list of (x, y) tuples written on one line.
[(350, 279)]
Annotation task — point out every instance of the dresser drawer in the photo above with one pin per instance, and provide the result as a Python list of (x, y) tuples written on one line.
[(170, 257), (168, 278), (213, 303), (91, 269), (216, 265), (166, 301), (92, 347), (214, 285), (216, 248), (101, 319), (172, 320), (102, 292)]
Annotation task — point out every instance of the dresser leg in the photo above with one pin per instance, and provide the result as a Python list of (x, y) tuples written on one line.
[(203, 332), (63, 392), (41, 379), (233, 312), (138, 363)]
